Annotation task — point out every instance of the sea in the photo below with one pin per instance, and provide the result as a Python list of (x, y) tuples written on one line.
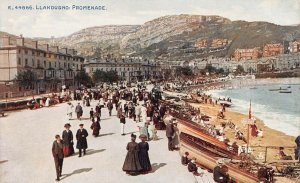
[(279, 111)]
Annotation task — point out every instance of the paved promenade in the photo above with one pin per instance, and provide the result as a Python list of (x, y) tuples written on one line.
[(25, 151)]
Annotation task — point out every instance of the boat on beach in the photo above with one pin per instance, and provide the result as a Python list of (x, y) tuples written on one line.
[(207, 150)]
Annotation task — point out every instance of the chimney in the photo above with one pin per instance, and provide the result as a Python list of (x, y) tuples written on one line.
[(5, 40), (35, 44), (20, 41), (63, 50), (54, 49)]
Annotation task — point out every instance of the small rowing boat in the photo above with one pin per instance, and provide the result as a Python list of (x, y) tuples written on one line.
[(285, 91)]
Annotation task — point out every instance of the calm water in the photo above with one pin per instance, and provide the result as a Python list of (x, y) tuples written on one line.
[(280, 111)]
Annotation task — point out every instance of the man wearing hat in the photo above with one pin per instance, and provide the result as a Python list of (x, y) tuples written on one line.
[(219, 173), (78, 111), (143, 154), (169, 134), (58, 155), (81, 140), (192, 167), (67, 137)]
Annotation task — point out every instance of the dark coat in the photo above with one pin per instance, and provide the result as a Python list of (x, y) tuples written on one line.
[(122, 119), (57, 150), (219, 175), (79, 110), (110, 106), (132, 163), (81, 139), (144, 156), (96, 128), (169, 130), (192, 167), (67, 137)]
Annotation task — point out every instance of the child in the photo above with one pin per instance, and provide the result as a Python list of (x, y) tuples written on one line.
[(91, 113), (184, 159)]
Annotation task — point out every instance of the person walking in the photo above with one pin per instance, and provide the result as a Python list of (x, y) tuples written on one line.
[(81, 140), (58, 155), (78, 111), (138, 112), (169, 134), (95, 127), (110, 107), (143, 154), (91, 113), (122, 122), (70, 110), (67, 137), (132, 164)]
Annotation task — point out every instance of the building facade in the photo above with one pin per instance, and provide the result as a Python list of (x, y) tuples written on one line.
[(129, 69), (247, 54), (294, 46), (270, 50), (53, 66)]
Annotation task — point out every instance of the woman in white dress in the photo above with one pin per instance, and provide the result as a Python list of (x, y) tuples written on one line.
[(47, 103), (70, 110)]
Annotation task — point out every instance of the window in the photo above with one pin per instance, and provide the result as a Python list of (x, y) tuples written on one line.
[(33, 63), (19, 50), (45, 63), (55, 64), (26, 61), (19, 61), (26, 52), (65, 65), (38, 63), (49, 64), (33, 53)]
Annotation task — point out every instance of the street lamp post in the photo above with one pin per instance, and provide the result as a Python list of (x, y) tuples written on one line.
[(73, 68)]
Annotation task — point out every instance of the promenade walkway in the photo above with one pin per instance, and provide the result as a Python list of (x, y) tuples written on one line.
[(25, 151)]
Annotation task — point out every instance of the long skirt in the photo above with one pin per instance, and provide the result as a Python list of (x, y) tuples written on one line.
[(67, 150)]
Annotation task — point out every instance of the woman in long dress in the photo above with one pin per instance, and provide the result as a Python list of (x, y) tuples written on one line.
[(70, 110), (143, 154), (132, 164), (95, 127)]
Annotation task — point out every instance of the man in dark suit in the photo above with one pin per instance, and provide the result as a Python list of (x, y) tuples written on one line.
[(58, 155), (81, 140), (169, 134), (110, 107)]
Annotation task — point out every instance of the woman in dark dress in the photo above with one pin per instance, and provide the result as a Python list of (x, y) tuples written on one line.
[(67, 137), (95, 127), (143, 154), (132, 164)]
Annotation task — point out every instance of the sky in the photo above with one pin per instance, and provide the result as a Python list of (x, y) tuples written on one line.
[(47, 23)]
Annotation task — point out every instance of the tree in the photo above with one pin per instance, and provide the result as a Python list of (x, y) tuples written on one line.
[(111, 76), (239, 69), (83, 78), (26, 79), (184, 71), (102, 76), (98, 76)]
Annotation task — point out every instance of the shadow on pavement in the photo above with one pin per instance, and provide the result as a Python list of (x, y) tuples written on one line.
[(105, 134), (76, 172), (3, 161), (92, 151), (156, 166)]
